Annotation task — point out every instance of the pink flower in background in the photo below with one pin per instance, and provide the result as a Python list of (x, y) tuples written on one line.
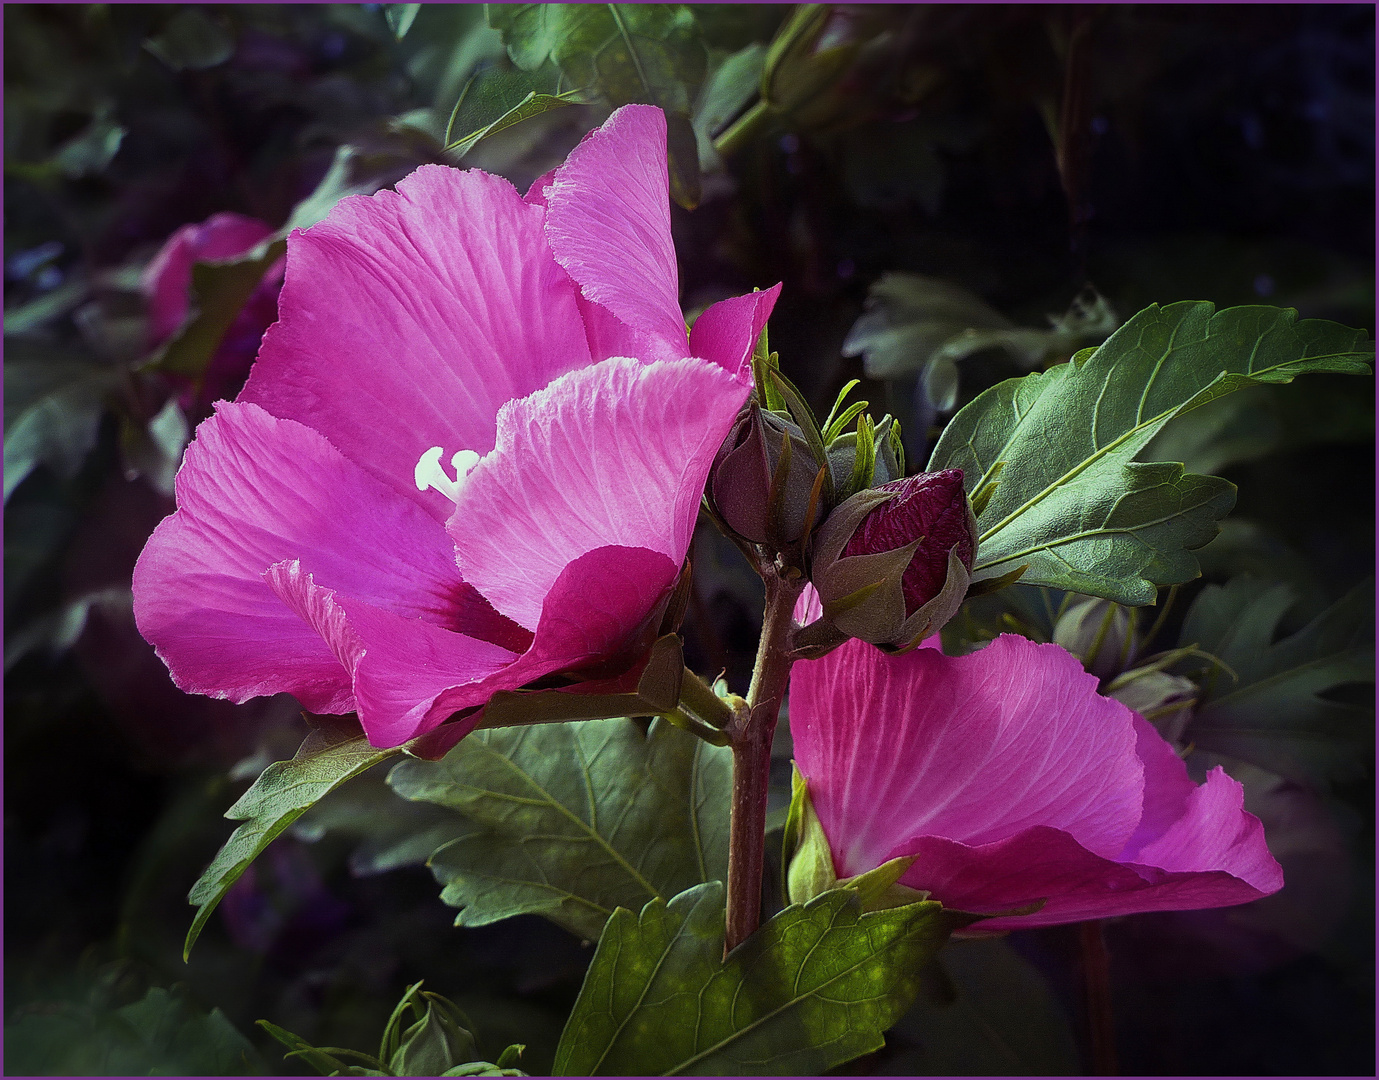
[(1013, 781), (167, 283), (322, 547)]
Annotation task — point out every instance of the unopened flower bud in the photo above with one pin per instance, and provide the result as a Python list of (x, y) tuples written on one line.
[(1100, 634), (755, 497), (892, 564), (1164, 699)]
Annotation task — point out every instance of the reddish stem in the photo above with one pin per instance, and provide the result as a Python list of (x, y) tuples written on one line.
[(751, 743)]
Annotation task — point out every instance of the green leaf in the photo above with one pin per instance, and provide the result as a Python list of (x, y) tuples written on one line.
[(815, 987), (992, 1015), (1273, 714), (164, 1034), (570, 821), (1263, 420), (495, 100), (47, 306), (727, 91), (1072, 501), (280, 795), (54, 400), (648, 53)]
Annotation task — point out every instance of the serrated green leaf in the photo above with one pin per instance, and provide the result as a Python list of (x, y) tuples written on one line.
[(1273, 714), (570, 821), (815, 987), (281, 794), (1072, 502), (54, 400)]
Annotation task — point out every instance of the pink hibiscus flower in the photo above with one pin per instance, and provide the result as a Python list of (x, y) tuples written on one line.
[(1014, 782), (320, 547), (167, 280)]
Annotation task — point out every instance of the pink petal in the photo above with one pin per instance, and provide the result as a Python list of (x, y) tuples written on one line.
[(167, 279), (727, 332), (973, 748), (608, 221), (1215, 833), (409, 675), (255, 491), (397, 666), (612, 455), (1044, 863), (408, 318)]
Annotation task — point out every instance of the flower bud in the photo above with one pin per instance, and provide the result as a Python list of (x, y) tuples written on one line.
[(756, 503), (1165, 700), (1100, 634), (892, 564)]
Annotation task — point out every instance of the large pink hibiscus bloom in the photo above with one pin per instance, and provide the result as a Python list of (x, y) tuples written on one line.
[(1013, 781), (319, 546)]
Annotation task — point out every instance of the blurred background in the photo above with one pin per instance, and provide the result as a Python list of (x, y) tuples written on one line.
[(952, 196)]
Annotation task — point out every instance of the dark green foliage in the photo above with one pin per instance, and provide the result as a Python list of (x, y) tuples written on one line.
[(1071, 503), (573, 820), (815, 987)]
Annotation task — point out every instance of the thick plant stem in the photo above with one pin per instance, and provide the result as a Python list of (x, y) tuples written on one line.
[(751, 743)]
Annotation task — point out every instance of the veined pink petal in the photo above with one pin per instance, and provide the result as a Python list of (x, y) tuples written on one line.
[(608, 222), (612, 455), (1046, 864), (397, 666), (253, 491), (1012, 782), (168, 276), (1012, 736), (409, 675), (408, 318), (727, 332)]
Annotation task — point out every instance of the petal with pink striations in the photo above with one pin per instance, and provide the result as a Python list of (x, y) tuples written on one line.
[(608, 222), (253, 491), (408, 318), (1042, 863), (398, 666), (614, 454), (409, 675), (727, 332), (970, 748)]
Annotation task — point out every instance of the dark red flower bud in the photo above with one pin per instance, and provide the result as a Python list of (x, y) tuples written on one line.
[(930, 508), (892, 564)]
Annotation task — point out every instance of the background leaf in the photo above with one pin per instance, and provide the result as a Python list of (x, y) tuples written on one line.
[(815, 987), (1274, 714), (54, 398), (648, 53), (988, 1013), (572, 820), (165, 1034), (280, 795), (1071, 502)]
